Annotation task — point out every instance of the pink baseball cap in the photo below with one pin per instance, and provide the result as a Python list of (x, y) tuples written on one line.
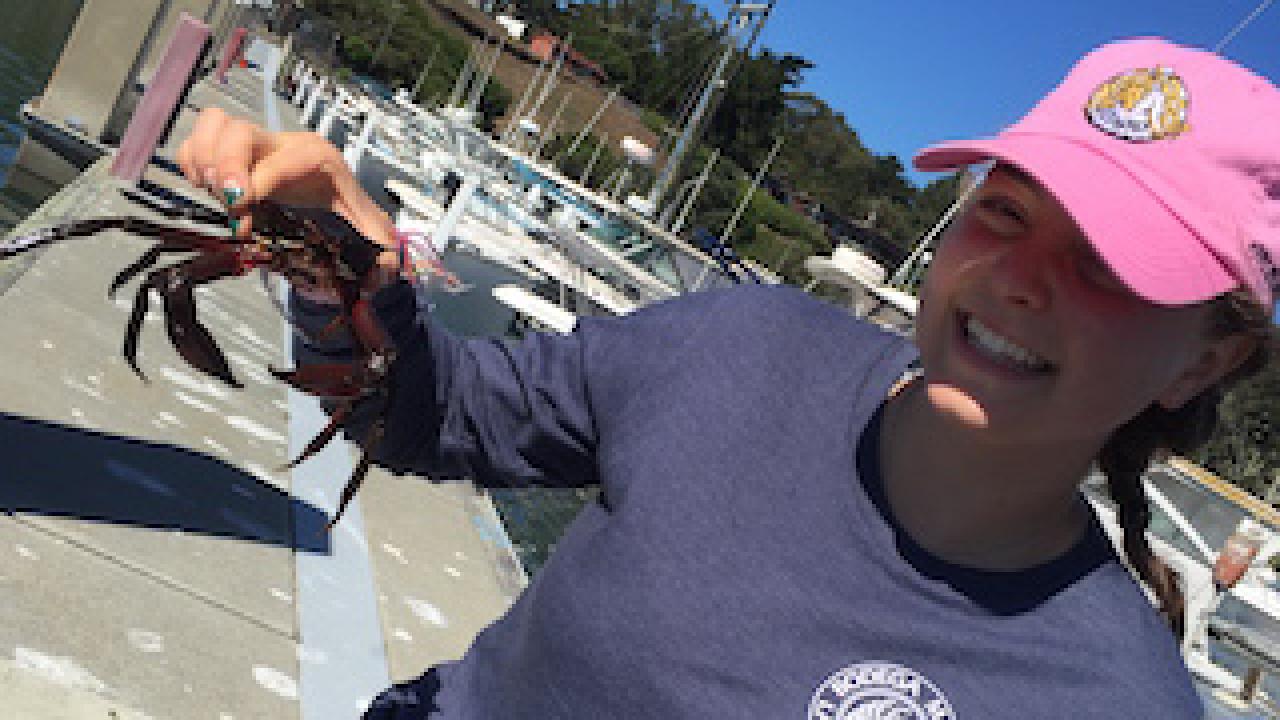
[(1167, 157)]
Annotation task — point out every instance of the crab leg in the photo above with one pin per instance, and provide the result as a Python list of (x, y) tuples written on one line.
[(358, 475), (175, 241), (84, 228), (323, 437), (190, 210), (50, 235)]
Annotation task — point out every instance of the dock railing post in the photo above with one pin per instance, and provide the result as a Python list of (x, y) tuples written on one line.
[(230, 52), (300, 92), (331, 112), (162, 100), (356, 149), (283, 57), (312, 102)]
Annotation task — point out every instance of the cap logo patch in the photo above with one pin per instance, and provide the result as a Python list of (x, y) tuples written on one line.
[(1140, 105)]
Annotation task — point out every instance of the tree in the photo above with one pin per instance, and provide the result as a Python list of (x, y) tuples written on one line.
[(1246, 448)]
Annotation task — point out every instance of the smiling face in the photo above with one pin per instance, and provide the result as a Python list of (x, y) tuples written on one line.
[(1026, 334)]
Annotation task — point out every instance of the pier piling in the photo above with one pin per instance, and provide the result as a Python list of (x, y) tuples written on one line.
[(230, 52), (162, 100)]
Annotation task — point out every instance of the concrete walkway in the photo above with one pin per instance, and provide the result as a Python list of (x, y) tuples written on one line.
[(150, 554)]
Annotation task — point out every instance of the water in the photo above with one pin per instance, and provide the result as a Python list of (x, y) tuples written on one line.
[(31, 39), (534, 518)]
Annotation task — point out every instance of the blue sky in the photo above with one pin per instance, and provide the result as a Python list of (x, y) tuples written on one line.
[(908, 73)]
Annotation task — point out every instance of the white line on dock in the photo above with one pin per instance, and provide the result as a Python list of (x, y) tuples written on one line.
[(342, 659)]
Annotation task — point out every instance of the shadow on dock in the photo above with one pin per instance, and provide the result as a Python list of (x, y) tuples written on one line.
[(62, 471)]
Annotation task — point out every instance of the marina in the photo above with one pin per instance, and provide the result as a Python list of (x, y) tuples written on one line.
[(157, 560)]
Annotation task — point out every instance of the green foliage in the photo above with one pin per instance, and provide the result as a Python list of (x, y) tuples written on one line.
[(1246, 448), (660, 52), (572, 165), (392, 41)]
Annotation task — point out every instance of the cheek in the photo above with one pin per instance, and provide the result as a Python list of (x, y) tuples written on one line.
[(1127, 364)]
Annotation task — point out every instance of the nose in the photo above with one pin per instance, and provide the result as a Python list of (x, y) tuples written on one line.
[(1020, 275)]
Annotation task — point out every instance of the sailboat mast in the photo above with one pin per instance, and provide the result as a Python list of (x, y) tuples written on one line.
[(742, 17)]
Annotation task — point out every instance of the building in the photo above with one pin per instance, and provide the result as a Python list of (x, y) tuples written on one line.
[(545, 46)]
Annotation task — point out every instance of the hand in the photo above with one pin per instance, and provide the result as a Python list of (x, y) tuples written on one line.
[(225, 153)]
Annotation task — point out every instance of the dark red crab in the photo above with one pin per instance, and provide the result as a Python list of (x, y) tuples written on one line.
[(317, 246)]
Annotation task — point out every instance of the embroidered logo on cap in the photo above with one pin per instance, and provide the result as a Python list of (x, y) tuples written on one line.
[(1140, 105)]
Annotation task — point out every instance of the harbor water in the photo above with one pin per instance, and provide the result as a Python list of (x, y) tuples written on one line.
[(30, 43)]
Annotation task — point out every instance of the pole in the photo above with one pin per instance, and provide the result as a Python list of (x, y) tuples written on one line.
[(552, 79), (672, 166), (624, 179), (595, 155), (515, 114), (464, 78), (904, 271), (417, 86), (478, 90), (678, 199), (751, 191), (548, 132), (586, 129), (693, 196)]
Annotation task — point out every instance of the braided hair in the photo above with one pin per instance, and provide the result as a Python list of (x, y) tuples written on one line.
[(1157, 431)]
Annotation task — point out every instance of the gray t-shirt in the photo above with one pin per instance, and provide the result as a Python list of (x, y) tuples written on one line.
[(741, 561)]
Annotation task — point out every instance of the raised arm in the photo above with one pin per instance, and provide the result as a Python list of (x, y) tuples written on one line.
[(502, 412)]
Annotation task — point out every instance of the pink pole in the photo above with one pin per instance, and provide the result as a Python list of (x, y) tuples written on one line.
[(230, 52), (162, 99)]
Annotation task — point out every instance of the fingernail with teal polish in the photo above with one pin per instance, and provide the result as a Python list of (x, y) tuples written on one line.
[(232, 194)]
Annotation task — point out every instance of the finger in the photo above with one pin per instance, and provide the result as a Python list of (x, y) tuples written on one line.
[(305, 170), (199, 149), (292, 170), (239, 147)]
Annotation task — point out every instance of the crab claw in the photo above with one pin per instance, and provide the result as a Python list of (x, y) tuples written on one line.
[(332, 380), (191, 339)]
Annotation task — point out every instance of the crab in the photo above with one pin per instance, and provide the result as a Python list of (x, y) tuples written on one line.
[(315, 246)]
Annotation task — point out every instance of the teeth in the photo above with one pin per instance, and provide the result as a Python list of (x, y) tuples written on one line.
[(1002, 349)]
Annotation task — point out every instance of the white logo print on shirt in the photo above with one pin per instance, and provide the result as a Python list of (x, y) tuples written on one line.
[(878, 691)]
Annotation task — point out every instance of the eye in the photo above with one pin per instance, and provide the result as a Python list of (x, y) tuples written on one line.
[(1001, 213)]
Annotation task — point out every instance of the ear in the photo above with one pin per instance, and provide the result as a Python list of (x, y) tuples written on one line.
[(1216, 361)]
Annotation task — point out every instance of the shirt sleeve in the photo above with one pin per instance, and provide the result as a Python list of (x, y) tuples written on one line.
[(504, 413)]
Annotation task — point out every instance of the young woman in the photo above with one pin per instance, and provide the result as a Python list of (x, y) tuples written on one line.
[(780, 534)]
